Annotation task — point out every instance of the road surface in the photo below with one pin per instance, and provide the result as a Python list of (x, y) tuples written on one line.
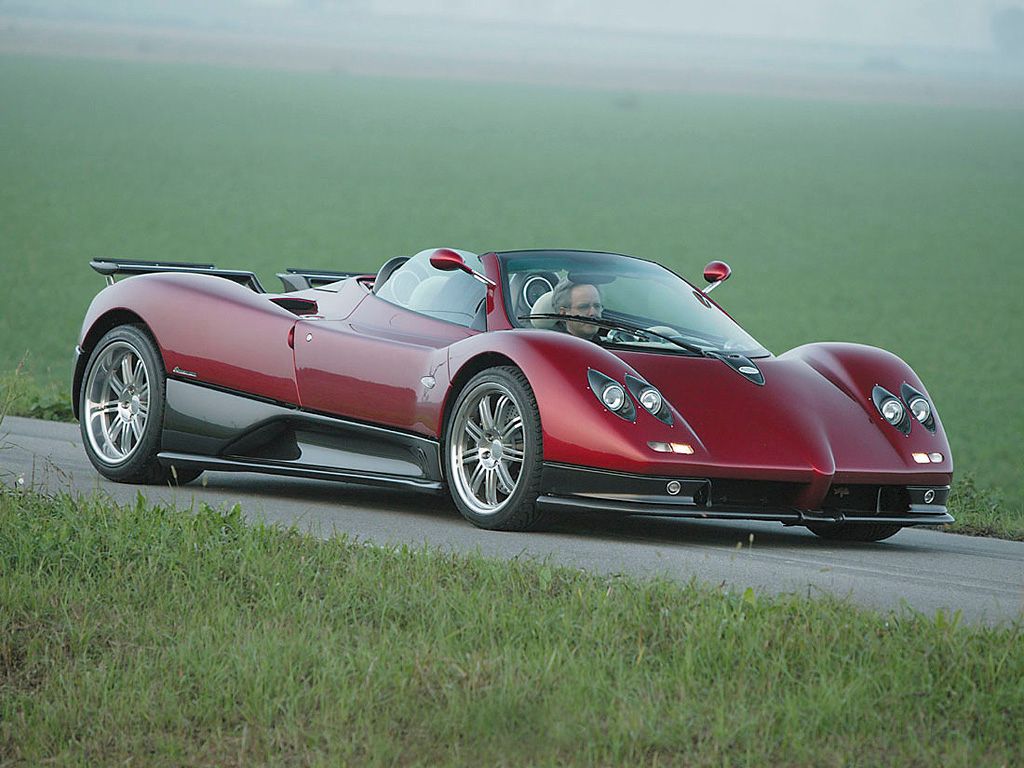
[(923, 569)]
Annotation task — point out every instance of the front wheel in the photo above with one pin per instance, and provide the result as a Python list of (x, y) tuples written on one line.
[(854, 531), (493, 451), (121, 409)]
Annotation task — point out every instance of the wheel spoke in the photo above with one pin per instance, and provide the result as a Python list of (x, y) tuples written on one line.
[(505, 479), (500, 407), (102, 409), (471, 456), (486, 416), (136, 429), (477, 478), (491, 487), (116, 385), (476, 434), (512, 454), (125, 443), (514, 425), (127, 375)]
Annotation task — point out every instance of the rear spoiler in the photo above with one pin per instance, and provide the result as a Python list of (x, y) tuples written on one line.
[(110, 268), (294, 278)]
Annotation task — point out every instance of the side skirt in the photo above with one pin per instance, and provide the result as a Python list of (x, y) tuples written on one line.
[(216, 429), (314, 473)]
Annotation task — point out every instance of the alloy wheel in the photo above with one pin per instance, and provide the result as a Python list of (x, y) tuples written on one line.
[(116, 402), (488, 447)]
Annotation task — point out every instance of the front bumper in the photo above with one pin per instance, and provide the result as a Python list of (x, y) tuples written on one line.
[(581, 488)]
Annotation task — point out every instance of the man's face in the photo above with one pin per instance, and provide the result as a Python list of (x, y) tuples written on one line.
[(585, 300)]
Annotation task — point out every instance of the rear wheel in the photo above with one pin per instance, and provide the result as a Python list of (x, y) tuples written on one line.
[(121, 409), (854, 531), (493, 451)]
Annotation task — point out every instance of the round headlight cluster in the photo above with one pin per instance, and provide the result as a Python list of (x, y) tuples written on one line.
[(899, 410), (892, 410), (613, 396), (651, 400), (921, 409)]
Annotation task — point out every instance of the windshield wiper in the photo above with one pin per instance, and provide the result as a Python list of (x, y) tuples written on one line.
[(602, 322)]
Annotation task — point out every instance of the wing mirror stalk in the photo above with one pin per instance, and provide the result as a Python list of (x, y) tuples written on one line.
[(447, 260)]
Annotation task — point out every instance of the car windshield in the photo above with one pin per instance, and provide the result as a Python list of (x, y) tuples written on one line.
[(618, 289)]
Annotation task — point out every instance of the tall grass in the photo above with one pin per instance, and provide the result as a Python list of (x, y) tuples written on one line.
[(144, 635)]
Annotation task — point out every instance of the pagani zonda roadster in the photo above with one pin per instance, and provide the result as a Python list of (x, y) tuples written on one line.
[(520, 381)]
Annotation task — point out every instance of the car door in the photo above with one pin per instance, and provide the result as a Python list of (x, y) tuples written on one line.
[(384, 365)]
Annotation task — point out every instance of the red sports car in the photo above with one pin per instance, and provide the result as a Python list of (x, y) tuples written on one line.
[(521, 381)]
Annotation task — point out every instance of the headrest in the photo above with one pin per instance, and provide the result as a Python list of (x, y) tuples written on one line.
[(543, 306), (426, 294)]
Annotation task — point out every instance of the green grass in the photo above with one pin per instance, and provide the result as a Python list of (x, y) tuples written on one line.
[(159, 637), (984, 512), (898, 226)]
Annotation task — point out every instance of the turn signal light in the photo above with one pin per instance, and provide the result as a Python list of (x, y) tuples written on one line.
[(928, 458), (685, 448)]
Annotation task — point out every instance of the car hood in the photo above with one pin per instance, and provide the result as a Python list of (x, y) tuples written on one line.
[(811, 414)]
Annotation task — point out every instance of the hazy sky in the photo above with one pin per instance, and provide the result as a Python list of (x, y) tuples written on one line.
[(963, 24), (956, 23)]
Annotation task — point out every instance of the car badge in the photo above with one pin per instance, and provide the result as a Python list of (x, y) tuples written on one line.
[(182, 372), (841, 491)]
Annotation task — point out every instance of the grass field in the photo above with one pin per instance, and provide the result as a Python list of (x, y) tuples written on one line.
[(156, 637), (898, 226)]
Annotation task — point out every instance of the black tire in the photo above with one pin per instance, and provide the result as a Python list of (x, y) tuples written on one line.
[(121, 421), (854, 531), (494, 469)]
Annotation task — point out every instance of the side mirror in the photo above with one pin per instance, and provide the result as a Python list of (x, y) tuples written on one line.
[(716, 272), (447, 260)]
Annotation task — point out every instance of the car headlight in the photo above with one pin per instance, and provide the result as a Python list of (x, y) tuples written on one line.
[(919, 406), (650, 398), (891, 408), (611, 395)]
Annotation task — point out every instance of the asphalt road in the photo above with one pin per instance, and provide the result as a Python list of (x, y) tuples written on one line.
[(925, 570)]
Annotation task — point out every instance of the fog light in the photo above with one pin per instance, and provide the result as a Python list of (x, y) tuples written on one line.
[(674, 487), (936, 458), (921, 458), (659, 447)]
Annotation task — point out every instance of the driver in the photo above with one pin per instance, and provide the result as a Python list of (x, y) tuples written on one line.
[(584, 299)]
